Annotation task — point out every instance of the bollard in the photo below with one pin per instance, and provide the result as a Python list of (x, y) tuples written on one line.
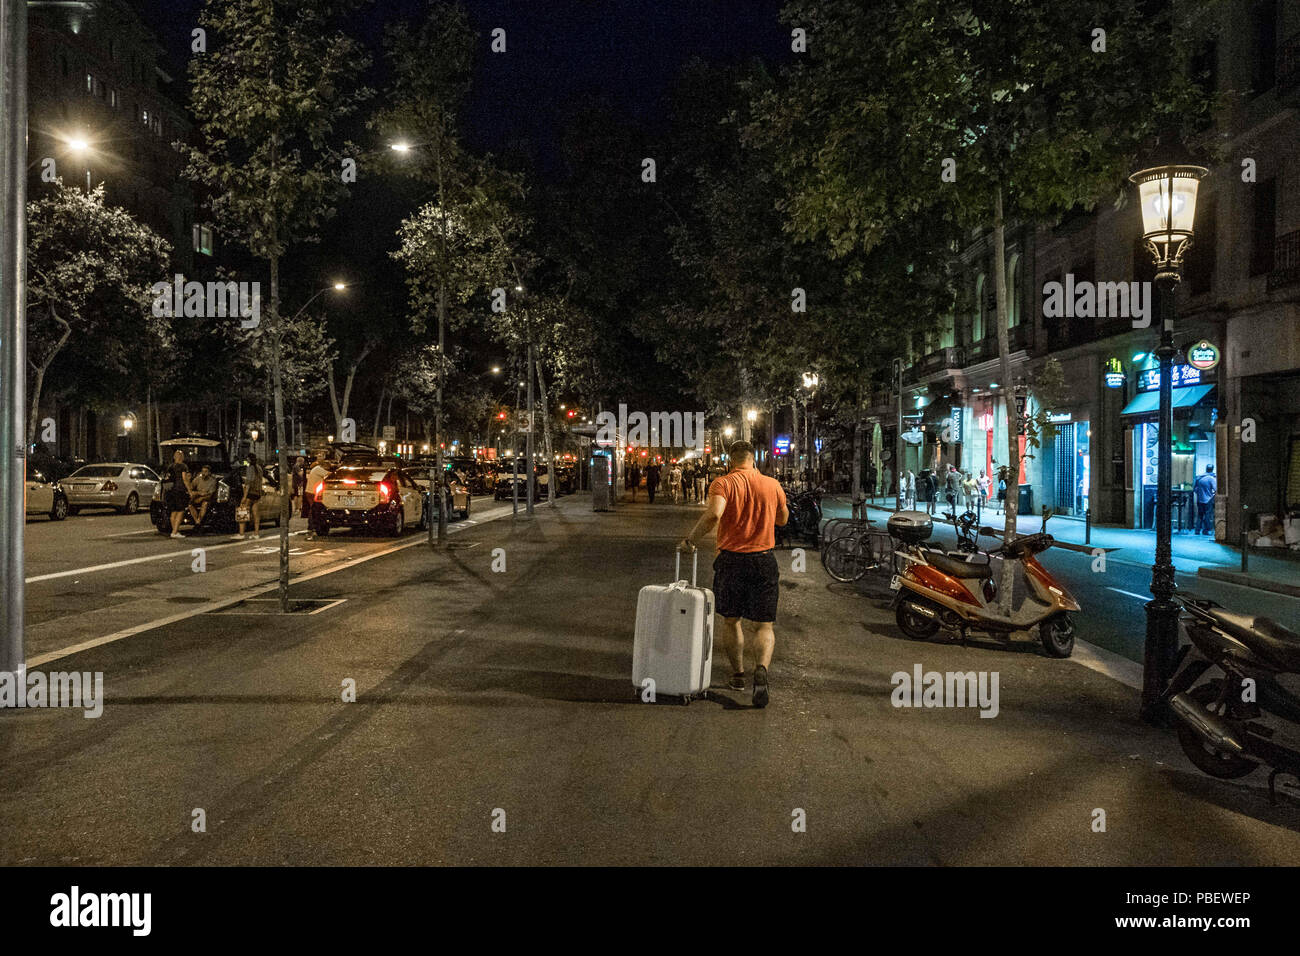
[(1087, 526)]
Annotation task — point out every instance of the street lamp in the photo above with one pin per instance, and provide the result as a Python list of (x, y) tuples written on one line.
[(1168, 198), (82, 148)]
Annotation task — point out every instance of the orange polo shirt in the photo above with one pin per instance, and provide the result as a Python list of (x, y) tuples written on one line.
[(748, 521)]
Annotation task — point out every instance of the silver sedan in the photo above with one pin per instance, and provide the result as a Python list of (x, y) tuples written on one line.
[(119, 485)]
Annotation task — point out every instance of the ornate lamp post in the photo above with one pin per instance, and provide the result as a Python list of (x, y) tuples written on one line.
[(1168, 198)]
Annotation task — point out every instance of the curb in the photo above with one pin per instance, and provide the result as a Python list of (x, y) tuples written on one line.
[(1248, 580)]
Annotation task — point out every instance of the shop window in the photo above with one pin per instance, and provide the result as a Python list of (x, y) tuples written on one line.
[(1263, 226), (1293, 474)]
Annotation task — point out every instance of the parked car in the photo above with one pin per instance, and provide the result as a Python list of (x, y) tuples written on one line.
[(472, 473), (200, 450), (458, 489), (118, 485), (506, 480), (45, 497), (374, 496), (566, 479)]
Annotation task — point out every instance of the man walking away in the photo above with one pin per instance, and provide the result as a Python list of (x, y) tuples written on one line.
[(1204, 490), (746, 507), (652, 481)]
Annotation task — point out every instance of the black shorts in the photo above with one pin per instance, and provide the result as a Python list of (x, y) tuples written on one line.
[(747, 584)]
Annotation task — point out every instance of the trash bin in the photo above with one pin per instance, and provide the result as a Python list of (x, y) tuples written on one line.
[(1026, 506)]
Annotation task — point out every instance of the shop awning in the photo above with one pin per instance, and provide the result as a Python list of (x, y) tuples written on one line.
[(1145, 403)]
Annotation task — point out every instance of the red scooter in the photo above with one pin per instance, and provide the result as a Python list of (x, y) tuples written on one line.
[(936, 590)]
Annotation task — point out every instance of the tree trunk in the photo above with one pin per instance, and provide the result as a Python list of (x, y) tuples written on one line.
[(546, 435), (379, 411), (1007, 581), (39, 382)]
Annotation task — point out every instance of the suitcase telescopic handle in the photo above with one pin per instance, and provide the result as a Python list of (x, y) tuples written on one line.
[(695, 567)]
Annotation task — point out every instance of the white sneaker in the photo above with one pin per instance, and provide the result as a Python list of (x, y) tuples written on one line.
[(177, 534), (256, 537), (236, 537)]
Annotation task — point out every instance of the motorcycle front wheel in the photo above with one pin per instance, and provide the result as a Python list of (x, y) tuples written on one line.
[(1057, 636), (1216, 763)]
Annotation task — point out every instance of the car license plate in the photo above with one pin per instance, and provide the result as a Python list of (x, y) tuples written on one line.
[(894, 583)]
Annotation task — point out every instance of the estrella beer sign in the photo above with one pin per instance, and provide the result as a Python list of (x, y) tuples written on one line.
[(1114, 373), (1203, 355)]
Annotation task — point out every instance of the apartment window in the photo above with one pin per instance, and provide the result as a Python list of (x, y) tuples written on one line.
[(1263, 226), (90, 83), (1015, 297), (1263, 74), (113, 99), (979, 327), (144, 117), (1081, 325), (1200, 258), (203, 239)]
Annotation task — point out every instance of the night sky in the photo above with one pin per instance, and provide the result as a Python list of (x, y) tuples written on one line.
[(627, 51)]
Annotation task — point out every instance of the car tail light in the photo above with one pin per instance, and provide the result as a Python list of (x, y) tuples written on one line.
[(383, 491), (109, 486), (320, 491)]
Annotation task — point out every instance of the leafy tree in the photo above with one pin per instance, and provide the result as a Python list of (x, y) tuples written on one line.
[(278, 79), (1036, 119), (90, 268)]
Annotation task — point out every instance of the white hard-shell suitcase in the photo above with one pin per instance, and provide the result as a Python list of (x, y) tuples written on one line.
[(674, 636)]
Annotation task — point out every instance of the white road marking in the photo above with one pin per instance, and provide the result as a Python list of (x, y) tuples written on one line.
[(1140, 597), (152, 557), (217, 605), (1106, 662)]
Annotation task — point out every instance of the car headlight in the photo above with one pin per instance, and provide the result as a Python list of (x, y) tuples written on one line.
[(223, 492)]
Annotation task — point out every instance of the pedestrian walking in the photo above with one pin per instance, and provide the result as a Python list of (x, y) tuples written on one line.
[(675, 482), (746, 507), (968, 490), (178, 496), (1204, 489), (952, 489), (888, 482), (253, 475), (652, 475), (1002, 490), (688, 482), (931, 490), (982, 483), (909, 489), (298, 496)]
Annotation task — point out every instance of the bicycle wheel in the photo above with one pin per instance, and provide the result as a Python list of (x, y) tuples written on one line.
[(877, 550), (843, 559)]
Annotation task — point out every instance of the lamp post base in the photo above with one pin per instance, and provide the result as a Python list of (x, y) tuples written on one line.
[(1161, 651)]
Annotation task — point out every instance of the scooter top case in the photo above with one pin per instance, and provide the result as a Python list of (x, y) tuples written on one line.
[(911, 527)]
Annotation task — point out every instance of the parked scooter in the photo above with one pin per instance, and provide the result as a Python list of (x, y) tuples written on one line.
[(1219, 721), (936, 590), (805, 517)]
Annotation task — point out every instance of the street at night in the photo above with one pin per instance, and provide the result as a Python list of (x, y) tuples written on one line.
[(459, 437)]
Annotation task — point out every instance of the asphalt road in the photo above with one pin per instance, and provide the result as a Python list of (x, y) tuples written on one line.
[(98, 572), (504, 696)]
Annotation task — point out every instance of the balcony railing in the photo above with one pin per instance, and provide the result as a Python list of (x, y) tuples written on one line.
[(1286, 261), (1288, 63), (944, 358)]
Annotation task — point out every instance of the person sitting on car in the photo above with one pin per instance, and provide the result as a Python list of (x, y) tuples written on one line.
[(203, 487)]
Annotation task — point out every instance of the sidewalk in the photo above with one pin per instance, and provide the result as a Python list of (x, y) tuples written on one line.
[(1208, 557)]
